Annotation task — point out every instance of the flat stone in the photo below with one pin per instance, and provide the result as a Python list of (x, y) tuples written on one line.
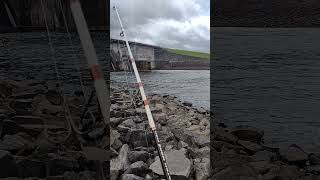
[(240, 171), (179, 165)]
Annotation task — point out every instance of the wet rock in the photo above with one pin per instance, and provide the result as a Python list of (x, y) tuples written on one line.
[(138, 168), (187, 103), (135, 156), (7, 164), (130, 177), (248, 133), (179, 165), (293, 154)]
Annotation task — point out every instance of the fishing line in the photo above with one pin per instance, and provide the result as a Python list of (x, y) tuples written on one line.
[(61, 87)]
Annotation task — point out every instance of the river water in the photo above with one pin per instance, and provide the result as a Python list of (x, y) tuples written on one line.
[(187, 85), (270, 79)]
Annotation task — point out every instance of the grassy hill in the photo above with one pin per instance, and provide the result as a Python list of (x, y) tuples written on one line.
[(190, 53)]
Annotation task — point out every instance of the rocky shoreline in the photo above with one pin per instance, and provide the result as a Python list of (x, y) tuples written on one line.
[(239, 153), (36, 142), (184, 133)]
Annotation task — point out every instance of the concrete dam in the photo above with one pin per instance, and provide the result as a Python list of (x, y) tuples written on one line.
[(149, 57)]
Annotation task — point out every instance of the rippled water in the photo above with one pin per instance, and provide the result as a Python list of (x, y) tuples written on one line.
[(187, 85), (269, 78)]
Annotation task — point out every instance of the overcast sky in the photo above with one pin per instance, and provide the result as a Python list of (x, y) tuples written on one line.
[(181, 24)]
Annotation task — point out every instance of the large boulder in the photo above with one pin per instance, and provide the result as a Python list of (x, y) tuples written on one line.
[(179, 165)]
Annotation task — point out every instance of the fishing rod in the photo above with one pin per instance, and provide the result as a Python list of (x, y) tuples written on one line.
[(145, 101), (100, 85)]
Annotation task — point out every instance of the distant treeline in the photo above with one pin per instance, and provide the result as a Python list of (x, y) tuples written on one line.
[(266, 13)]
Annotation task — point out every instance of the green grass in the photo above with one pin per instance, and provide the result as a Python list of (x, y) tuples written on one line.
[(190, 53)]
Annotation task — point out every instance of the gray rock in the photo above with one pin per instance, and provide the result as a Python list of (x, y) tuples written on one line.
[(129, 123), (248, 133), (252, 147), (187, 103), (130, 177), (138, 168), (293, 154), (179, 165), (135, 156), (221, 135), (161, 118), (114, 135), (138, 137), (202, 169), (96, 133), (7, 164), (123, 157), (201, 153), (182, 144)]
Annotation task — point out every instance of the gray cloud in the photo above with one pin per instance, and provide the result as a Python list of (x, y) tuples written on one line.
[(180, 24)]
